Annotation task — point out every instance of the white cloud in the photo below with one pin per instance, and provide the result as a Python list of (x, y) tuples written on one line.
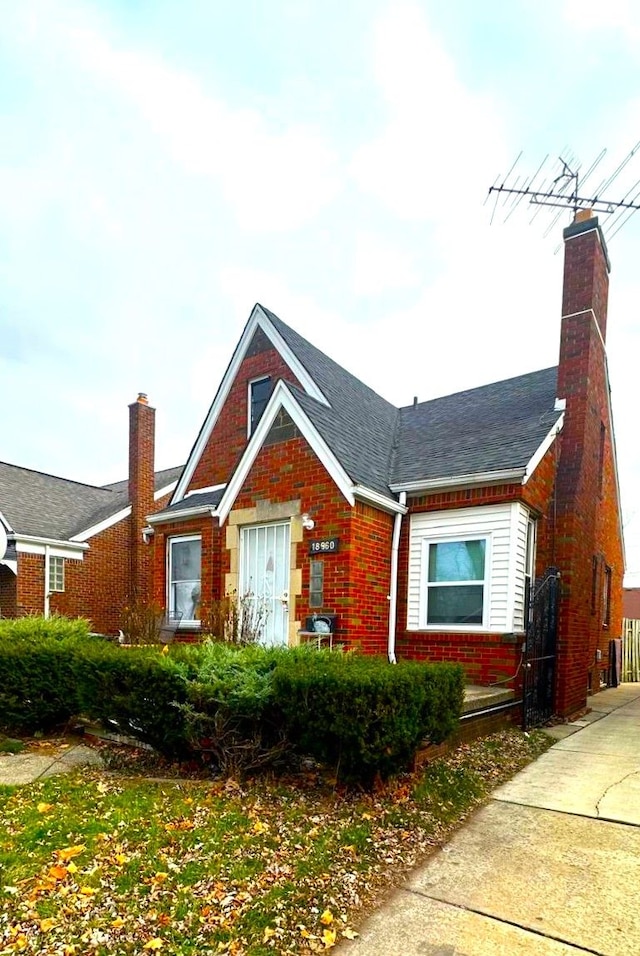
[(425, 162), (380, 265), (274, 179)]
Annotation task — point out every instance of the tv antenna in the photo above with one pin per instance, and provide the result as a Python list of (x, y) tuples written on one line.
[(563, 185)]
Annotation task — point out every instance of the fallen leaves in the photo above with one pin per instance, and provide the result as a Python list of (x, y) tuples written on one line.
[(221, 868)]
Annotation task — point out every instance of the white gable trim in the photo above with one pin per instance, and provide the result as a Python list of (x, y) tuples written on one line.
[(281, 397), (118, 516), (543, 448), (102, 525), (257, 320), (6, 523)]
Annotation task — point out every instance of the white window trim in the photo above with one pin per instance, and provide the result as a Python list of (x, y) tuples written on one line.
[(424, 589), (194, 622), (250, 384)]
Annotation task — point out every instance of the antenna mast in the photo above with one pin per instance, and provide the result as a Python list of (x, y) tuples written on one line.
[(564, 187)]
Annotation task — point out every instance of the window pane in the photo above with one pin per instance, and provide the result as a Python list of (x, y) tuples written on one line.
[(455, 605), (184, 597), (457, 561), (186, 560)]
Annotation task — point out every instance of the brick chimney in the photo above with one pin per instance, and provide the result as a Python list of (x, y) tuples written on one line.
[(142, 422), (583, 383)]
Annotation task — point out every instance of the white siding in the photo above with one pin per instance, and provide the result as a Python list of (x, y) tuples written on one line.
[(505, 528)]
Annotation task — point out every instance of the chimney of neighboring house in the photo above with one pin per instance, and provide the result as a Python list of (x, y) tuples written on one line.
[(582, 382), (142, 424)]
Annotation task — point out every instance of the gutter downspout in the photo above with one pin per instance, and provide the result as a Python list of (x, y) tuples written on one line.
[(393, 587), (47, 565)]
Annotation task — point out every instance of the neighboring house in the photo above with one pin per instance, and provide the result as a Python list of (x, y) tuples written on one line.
[(414, 532), (77, 549), (631, 604)]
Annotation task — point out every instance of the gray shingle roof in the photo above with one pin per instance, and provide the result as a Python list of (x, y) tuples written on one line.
[(162, 479), (360, 425), (492, 428), (45, 506)]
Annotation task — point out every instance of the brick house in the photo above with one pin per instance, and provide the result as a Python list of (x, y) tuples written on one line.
[(416, 531), (76, 549)]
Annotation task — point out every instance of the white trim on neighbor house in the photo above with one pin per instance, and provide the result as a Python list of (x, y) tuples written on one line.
[(504, 529), (460, 481), (281, 397), (543, 448), (118, 516), (30, 544), (102, 525), (258, 319)]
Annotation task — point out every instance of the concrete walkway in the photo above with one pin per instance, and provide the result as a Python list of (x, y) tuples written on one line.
[(28, 767), (551, 866)]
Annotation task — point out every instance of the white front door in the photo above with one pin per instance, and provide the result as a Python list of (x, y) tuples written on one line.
[(264, 581)]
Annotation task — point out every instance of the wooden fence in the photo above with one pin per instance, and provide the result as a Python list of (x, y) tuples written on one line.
[(630, 650)]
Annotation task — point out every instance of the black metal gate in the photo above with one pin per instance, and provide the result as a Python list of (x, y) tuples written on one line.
[(540, 650)]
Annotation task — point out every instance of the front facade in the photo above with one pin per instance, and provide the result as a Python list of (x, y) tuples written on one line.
[(414, 532)]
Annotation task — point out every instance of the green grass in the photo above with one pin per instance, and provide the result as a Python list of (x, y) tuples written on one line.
[(100, 863)]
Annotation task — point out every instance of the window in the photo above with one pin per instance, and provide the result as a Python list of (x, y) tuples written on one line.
[(456, 582), (316, 583), (606, 597), (184, 578), (259, 392), (56, 574)]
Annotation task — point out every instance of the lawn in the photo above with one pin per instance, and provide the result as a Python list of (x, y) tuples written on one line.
[(110, 862)]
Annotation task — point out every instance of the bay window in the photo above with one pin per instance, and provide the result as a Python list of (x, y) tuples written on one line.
[(184, 564), (456, 582)]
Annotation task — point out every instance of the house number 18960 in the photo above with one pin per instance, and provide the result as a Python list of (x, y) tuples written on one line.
[(324, 546)]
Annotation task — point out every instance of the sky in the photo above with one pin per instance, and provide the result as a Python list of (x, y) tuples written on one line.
[(164, 165)]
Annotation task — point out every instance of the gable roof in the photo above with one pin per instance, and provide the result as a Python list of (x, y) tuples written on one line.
[(36, 504), (494, 430)]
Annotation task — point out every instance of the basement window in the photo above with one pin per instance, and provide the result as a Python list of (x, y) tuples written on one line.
[(56, 574), (259, 392)]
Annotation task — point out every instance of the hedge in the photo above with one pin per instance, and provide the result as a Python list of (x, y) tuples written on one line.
[(242, 707), (364, 716)]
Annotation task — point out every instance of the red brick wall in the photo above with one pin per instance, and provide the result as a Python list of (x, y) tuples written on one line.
[(98, 586), (229, 436), (30, 583), (8, 592), (587, 518)]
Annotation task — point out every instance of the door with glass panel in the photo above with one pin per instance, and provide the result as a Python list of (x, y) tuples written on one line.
[(264, 581)]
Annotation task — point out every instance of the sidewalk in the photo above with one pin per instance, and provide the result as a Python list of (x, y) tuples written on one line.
[(551, 866), (26, 767)]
